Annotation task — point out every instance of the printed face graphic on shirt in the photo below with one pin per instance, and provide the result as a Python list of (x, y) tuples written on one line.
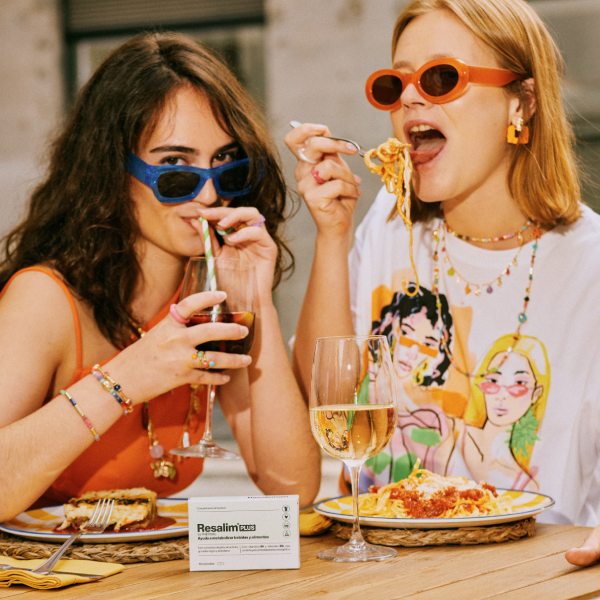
[(414, 329), (416, 345), (506, 407), (492, 418), (509, 388)]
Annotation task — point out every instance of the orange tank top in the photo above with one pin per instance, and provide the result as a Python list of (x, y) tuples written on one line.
[(121, 458)]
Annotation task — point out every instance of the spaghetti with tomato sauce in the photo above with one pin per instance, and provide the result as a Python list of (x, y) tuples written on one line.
[(427, 495)]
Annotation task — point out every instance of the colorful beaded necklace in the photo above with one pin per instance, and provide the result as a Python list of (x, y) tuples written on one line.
[(521, 317), (490, 240), (477, 288)]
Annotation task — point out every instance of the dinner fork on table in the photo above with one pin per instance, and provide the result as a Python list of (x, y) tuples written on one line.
[(97, 523)]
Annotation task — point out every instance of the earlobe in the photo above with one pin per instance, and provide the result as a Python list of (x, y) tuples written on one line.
[(528, 98)]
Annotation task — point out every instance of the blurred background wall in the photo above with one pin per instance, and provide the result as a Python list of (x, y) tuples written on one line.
[(31, 96), (301, 59)]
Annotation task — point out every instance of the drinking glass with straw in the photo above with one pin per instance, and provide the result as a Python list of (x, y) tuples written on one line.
[(236, 278)]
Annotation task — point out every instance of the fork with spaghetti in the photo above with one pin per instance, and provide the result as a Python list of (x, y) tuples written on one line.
[(391, 162)]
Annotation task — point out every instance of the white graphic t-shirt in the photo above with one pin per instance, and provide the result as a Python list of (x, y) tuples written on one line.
[(473, 402)]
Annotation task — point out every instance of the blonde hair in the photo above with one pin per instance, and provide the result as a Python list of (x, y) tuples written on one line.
[(543, 176)]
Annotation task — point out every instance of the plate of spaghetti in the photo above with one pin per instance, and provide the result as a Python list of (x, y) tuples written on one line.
[(427, 500)]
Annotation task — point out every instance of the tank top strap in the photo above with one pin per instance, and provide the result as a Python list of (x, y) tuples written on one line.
[(69, 295)]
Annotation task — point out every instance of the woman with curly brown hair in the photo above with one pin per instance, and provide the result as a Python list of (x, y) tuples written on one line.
[(91, 277)]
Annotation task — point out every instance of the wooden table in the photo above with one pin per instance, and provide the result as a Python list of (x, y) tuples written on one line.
[(526, 569)]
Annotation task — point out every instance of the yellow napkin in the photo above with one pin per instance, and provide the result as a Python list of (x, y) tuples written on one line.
[(18, 575)]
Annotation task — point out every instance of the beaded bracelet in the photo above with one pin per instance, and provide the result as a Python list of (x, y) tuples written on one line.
[(113, 388), (85, 419)]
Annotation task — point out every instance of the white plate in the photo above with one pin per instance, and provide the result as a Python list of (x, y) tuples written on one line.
[(525, 505), (39, 524)]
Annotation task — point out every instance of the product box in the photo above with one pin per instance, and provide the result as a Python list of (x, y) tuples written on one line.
[(244, 533)]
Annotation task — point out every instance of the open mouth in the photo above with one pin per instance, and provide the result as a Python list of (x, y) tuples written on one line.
[(426, 141)]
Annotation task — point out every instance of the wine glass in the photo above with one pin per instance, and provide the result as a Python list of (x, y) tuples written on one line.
[(353, 415), (236, 277)]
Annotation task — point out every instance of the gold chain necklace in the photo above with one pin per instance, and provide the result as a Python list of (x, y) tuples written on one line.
[(521, 317)]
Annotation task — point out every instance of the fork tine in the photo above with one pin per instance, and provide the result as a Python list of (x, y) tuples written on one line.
[(110, 504), (95, 513), (100, 518), (102, 514)]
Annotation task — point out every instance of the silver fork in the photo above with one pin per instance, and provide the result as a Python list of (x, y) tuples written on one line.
[(97, 523), (361, 152)]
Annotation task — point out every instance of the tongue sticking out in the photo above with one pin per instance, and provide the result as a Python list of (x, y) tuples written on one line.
[(426, 145)]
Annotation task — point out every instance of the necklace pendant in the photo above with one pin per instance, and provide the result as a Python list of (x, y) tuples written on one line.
[(490, 289), (163, 469), (451, 271), (156, 450), (185, 439), (467, 289)]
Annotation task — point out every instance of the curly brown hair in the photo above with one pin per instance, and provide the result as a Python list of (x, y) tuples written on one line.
[(81, 220)]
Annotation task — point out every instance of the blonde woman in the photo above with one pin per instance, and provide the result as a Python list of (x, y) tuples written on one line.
[(500, 231)]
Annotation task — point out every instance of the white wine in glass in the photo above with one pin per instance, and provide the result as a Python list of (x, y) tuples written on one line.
[(353, 415)]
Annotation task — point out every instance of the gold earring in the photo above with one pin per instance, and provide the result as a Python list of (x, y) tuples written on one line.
[(517, 133)]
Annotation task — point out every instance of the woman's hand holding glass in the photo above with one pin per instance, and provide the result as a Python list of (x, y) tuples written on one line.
[(162, 358), (236, 277)]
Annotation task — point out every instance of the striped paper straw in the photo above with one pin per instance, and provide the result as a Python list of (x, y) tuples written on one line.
[(210, 265), (208, 253)]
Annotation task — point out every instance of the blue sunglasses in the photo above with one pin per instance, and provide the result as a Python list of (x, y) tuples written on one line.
[(178, 183)]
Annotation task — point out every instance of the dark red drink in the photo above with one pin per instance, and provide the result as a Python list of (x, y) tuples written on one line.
[(231, 346)]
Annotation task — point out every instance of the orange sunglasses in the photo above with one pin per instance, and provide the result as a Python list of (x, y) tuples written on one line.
[(438, 81)]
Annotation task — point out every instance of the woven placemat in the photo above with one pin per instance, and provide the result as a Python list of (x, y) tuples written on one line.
[(435, 537), (132, 552)]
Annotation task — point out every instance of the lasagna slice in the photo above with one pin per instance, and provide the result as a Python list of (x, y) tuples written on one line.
[(134, 508)]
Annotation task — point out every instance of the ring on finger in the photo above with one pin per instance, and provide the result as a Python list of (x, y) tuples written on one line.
[(301, 152), (174, 312), (204, 362), (317, 177)]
